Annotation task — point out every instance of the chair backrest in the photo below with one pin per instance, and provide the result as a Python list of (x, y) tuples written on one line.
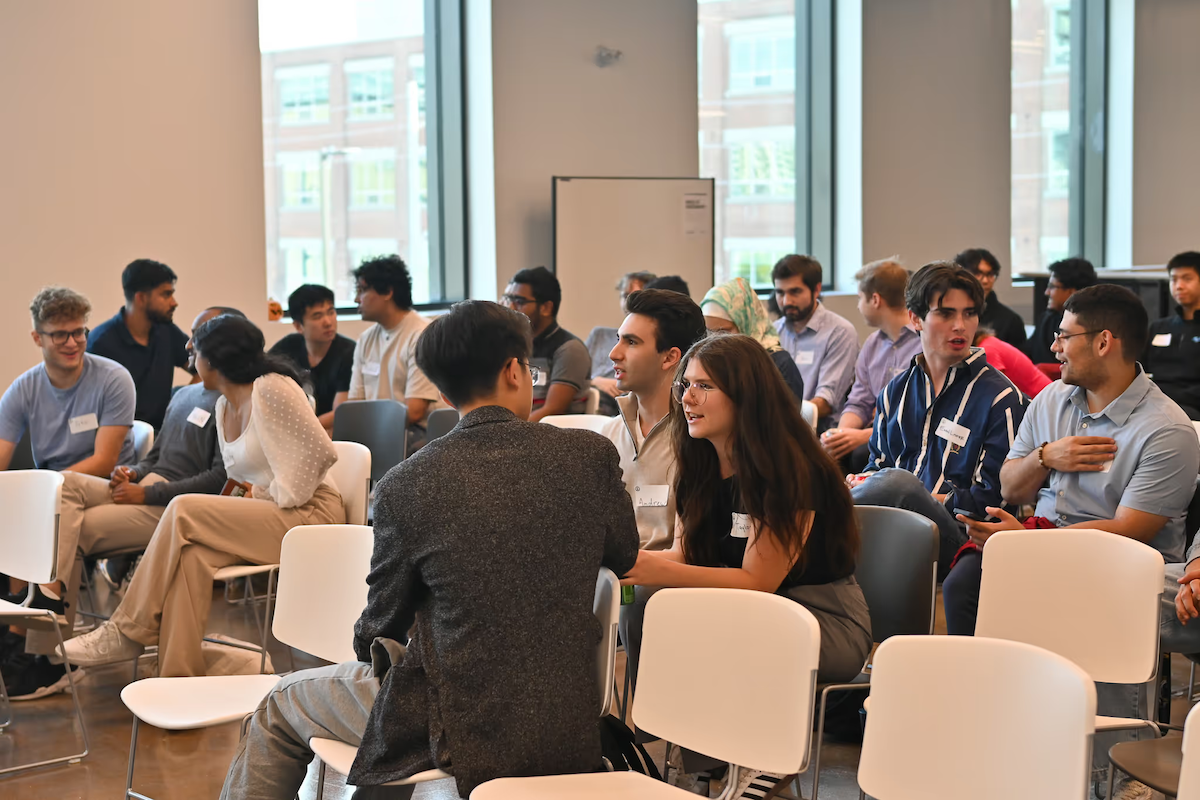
[(588, 422), (1031, 593), (592, 404), (379, 424), (143, 438), (607, 607), (29, 528), (1189, 773), (441, 421), (897, 570), (808, 410), (953, 717), (351, 474), (322, 588), (763, 720)]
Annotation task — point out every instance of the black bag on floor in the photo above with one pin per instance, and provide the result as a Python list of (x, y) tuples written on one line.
[(621, 753)]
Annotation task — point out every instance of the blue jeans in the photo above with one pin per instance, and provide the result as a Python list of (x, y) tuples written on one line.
[(899, 488)]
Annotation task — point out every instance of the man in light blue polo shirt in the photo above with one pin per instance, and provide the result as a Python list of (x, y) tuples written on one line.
[(823, 344), (77, 407)]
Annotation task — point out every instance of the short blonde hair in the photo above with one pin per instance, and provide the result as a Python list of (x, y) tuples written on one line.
[(58, 302), (886, 277)]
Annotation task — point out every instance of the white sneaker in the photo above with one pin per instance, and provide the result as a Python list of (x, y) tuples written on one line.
[(105, 645), (1129, 789)]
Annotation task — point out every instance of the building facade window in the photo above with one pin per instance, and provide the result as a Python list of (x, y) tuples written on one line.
[(762, 164), (373, 179), (303, 261), (299, 180), (303, 94), (753, 259), (1059, 35), (762, 55), (370, 88)]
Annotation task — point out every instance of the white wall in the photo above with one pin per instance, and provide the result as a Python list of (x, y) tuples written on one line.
[(557, 113)]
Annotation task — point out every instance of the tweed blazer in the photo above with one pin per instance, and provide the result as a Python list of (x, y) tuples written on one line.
[(487, 545)]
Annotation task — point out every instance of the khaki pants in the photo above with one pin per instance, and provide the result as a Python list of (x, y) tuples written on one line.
[(89, 522), (168, 601)]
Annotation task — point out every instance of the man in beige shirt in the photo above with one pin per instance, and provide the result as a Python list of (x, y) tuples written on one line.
[(385, 360)]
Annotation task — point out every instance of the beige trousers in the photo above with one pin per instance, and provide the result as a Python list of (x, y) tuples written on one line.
[(89, 521), (168, 601)]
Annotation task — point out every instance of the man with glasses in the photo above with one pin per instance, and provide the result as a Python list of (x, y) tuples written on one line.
[(385, 358), (1066, 277), (1002, 320), (322, 355), (560, 356), (143, 338)]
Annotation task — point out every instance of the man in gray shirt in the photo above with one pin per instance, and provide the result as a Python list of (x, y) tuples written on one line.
[(99, 515)]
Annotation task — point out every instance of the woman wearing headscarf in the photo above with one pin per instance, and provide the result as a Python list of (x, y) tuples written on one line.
[(735, 307)]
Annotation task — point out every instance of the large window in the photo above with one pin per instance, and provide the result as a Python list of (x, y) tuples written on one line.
[(1042, 143), (762, 54), (762, 164), (350, 109)]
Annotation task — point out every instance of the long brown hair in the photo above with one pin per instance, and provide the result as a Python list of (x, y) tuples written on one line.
[(781, 467)]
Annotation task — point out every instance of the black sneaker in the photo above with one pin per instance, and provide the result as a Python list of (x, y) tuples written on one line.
[(40, 600), (113, 570), (39, 678)]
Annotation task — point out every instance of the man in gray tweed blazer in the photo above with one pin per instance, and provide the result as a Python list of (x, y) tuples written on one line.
[(487, 545)]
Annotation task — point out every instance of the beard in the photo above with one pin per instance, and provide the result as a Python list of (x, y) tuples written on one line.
[(159, 316), (797, 313)]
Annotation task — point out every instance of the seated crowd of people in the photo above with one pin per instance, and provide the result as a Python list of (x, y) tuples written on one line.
[(706, 475)]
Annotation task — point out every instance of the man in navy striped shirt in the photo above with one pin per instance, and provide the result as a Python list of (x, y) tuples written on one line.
[(943, 427)]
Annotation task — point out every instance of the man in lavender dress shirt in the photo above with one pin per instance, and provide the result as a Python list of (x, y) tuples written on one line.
[(885, 354)]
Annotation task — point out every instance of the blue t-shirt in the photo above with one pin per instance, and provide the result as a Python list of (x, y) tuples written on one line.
[(32, 403)]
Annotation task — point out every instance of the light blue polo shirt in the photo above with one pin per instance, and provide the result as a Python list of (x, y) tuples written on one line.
[(824, 352), (1154, 469), (104, 389)]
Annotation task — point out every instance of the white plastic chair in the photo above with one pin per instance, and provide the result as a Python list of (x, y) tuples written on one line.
[(956, 717), (1026, 596), (606, 605), (351, 475), (1196, 425), (759, 720), (592, 405), (588, 422), (808, 410), (1189, 773), (336, 557), (29, 552), (143, 439)]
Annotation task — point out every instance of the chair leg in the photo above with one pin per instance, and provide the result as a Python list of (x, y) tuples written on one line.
[(626, 697), (132, 759), (266, 623), (1112, 774), (1192, 684), (820, 740), (321, 780), (5, 708)]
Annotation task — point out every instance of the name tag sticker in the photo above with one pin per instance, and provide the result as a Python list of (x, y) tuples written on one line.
[(804, 358), (1161, 340), (199, 417), (370, 369), (741, 526), (651, 496), (951, 431), (1107, 466), (543, 377), (83, 423)]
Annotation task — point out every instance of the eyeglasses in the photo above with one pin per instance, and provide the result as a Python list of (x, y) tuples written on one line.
[(1059, 336), (60, 337), (679, 390), (516, 300), (534, 372), (985, 275)]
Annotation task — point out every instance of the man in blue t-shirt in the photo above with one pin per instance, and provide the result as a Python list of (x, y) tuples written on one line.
[(77, 407), (143, 338)]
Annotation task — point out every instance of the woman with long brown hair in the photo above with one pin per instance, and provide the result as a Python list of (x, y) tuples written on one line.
[(759, 504)]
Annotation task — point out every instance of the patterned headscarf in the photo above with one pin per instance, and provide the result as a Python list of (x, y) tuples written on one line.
[(737, 302)]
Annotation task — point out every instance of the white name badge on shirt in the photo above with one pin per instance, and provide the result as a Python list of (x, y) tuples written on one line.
[(83, 423), (543, 377), (651, 496), (371, 369), (1161, 340), (199, 417), (741, 526), (805, 358), (951, 431), (1107, 466)]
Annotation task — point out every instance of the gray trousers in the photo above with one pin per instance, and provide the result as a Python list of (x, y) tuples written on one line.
[(328, 702)]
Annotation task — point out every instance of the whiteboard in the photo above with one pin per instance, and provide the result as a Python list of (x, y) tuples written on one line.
[(606, 227)]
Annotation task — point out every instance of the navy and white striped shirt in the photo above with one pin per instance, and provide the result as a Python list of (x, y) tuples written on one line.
[(978, 398)]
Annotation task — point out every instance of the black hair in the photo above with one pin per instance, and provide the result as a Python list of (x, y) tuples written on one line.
[(933, 280), (1074, 273), (143, 275), (464, 350), (672, 283), (305, 297), (233, 312), (543, 284), (678, 321), (807, 267), (385, 274), (971, 258), (233, 346), (1112, 308), (1189, 260)]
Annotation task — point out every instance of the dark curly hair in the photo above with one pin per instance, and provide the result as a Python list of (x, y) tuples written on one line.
[(233, 346)]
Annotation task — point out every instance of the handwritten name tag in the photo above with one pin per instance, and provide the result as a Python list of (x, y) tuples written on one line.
[(370, 369), (199, 417), (1161, 340), (741, 526), (951, 431), (651, 496), (804, 358), (83, 423)]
